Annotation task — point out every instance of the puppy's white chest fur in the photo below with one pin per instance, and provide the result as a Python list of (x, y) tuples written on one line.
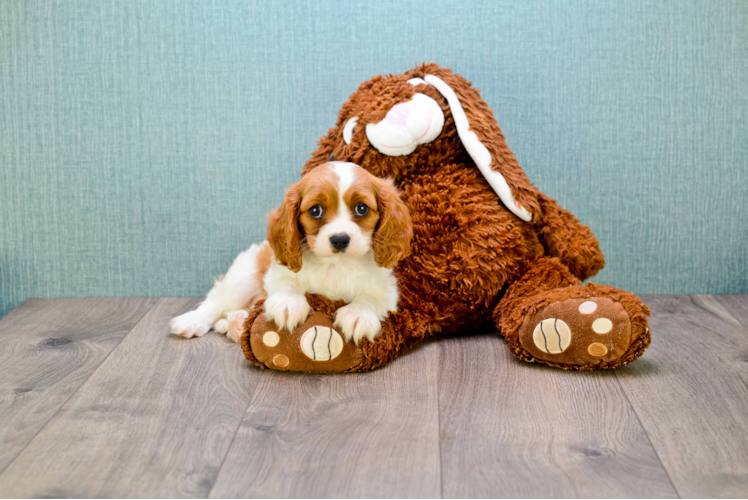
[(338, 278)]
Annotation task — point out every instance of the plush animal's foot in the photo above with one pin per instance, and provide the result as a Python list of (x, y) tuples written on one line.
[(192, 324), (592, 332), (314, 346)]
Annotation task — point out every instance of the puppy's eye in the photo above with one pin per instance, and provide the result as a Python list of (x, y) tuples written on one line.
[(316, 211), (361, 210)]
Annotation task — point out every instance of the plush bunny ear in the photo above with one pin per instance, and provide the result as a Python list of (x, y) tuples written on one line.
[(485, 144), (283, 230)]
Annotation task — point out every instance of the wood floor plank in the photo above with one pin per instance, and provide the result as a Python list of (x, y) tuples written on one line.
[(690, 392), (155, 420), (512, 429), (350, 435), (48, 348), (736, 305)]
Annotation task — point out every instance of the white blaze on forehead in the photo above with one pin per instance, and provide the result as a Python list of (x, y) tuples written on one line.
[(342, 222), (477, 151), (406, 126), (344, 172)]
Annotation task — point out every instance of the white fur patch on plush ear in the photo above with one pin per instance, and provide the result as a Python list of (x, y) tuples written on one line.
[(477, 151), (406, 126), (348, 129)]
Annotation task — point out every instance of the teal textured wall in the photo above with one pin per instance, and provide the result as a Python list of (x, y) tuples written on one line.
[(143, 142)]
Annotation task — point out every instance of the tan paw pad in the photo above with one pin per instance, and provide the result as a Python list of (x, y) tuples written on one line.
[(321, 343), (280, 360), (602, 326), (270, 339), (552, 336), (587, 307), (597, 349)]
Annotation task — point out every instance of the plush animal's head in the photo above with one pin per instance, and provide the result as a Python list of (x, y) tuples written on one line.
[(341, 209), (396, 125)]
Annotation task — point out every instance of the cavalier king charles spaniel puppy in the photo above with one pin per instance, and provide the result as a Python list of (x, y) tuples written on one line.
[(339, 233)]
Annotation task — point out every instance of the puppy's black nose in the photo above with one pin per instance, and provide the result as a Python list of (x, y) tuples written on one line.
[(340, 241)]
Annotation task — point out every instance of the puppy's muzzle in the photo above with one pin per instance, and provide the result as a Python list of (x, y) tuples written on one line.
[(340, 241)]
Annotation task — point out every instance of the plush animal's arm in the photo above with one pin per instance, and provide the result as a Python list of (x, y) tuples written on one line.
[(565, 237)]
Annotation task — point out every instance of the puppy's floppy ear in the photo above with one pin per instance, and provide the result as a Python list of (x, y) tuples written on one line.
[(283, 230), (483, 140), (394, 230)]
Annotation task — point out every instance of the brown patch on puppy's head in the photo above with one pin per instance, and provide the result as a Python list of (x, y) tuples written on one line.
[(394, 230), (291, 226), (387, 221), (319, 191), (283, 231)]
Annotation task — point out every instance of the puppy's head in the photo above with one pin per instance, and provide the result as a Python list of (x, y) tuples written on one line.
[(341, 209)]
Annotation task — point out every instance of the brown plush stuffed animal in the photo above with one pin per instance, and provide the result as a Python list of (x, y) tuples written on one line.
[(488, 247)]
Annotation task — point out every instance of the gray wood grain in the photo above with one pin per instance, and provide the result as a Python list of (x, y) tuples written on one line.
[(736, 305), (690, 391), (140, 414), (48, 348), (155, 420), (351, 435), (510, 429)]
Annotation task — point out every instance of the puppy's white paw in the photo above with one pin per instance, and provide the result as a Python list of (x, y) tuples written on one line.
[(286, 309), (236, 321), (192, 324), (221, 326), (358, 321)]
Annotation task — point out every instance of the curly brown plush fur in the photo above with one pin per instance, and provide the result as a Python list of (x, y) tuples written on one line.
[(473, 263)]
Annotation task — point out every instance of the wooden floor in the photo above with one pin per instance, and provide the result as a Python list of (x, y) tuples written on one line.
[(96, 400)]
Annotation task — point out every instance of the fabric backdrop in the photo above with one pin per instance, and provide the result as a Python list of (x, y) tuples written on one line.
[(142, 142)]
